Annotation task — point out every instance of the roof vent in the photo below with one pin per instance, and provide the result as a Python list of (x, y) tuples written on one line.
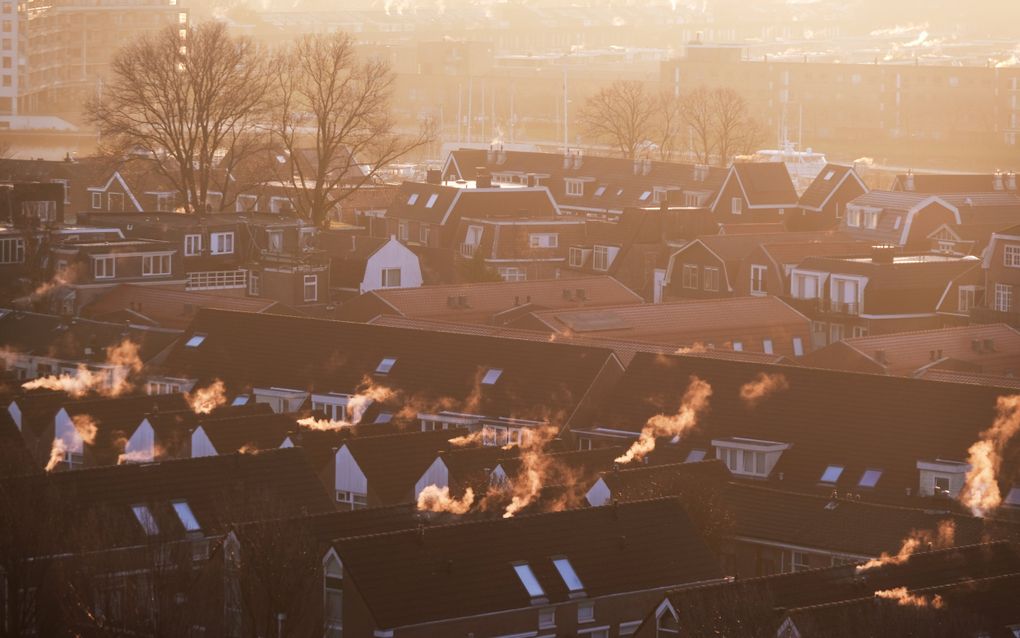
[(451, 302), (581, 294), (909, 185), (567, 294), (988, 345), (975, 345), (997, 181), (1011, 181)]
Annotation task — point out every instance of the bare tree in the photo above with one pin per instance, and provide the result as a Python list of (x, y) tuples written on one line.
[(696, 108), (719, 124), (338, 106), (192, 101), (671, 125), (621, 115)]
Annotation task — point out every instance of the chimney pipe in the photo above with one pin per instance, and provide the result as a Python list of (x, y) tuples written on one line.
[(434, 176), (909, 185), (997, 181), (1011, 181)]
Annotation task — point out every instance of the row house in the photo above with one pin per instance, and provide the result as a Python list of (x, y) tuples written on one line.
[(1001, 266), (823, 204), (897, 218), (880, 294), (329, 363), (593, 187), (519, 248), (755, 192), (361, 263), (890, 440), (943, 183), (534, 575)]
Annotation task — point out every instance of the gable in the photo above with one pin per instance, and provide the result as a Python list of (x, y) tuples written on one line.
[(349, 477)]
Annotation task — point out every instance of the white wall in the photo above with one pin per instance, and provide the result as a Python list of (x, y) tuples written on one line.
[(63, 429), (349, 477), (393, 254), (598, 494), (201, 445), (437, 475), (141, 446)]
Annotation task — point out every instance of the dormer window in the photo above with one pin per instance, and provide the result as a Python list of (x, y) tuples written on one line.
[(385, 365), (195, 341), (491, 376), (942, 478), (145, 519), (749, 457), (575, 187), (831, 474), (531, 584), (186, 516), (870, 478), (569, 576), (412, 199)]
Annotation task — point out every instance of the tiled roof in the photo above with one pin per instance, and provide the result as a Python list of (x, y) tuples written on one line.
[(766, 183), (824, 185), (794, 252), (953, 376), (487, 299), (906, 353), (262, 430), (948, 183), (858, 421), (116, 419), (42, 335), (544, 380), (463, 570), (452, 203), (748, 320), (170, 308), (891, 200)]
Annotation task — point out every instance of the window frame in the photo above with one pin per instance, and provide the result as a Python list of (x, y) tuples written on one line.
[(758, 283), (313, 281), (220, 242), (148, 261), (384, 278), (109, 267)]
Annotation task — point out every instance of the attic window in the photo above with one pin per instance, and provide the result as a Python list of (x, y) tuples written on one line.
[(869, 478), (491, 376), (695, 456), (145, 519), (528, 580), (384, 417), (432, 200), (195, 341), (569, 576), (600, 191), (412, 199), (385, 365), (645, 195), (829, 175), (186, 516), (241, 399), (831, 474)]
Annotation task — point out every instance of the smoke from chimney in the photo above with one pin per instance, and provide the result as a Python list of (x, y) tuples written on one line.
[(944, 537), (205, 400), (980, 491), (752, 392), (438, 499), (695, 401), (904, 598)]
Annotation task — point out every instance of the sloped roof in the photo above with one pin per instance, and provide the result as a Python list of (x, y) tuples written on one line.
[(42, 335), (261, 430), (947, 183), (545, 380), (824, 185), (172, 308), (858, 421), (766, 183), (453, 202), (450, 574)]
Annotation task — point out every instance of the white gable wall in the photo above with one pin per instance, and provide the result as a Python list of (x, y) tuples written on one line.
[(201, 445), (63, 429), (142, 444), (393, 254), (349, 477), (437, 475), (599, 494)]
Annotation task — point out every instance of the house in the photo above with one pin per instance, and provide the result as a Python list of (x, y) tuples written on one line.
[(823, 203), (1001, 265), (766, 268), (884, 293), (755, 324), (959, 591), (592, 187), (328, 363), (963, 239), (518, 247), (360, 263), (903, 219), (73, 177), (954, 183), (532, 573), (494, 303), (755, 192), (886, 440), (991, 349)]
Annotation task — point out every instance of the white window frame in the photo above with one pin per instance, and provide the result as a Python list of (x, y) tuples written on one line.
[(758, 274), (870, 220), (736, 206), (97, 201), (385, 277), (150, 261), (966, 296), (576, 257), (109, 268), (600, 258), (853, 216), (12, 250), (586, 611), (574, 187), (690, 276), (1011, 256), (402, 231), (1003, 298), (192, 245), (710, 279), (221, 243), (544, 240), (512, 273), (313, 282), (246, 203), (254, 283)]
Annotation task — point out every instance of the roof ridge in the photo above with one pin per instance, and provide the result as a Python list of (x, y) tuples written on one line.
[(946, 329)]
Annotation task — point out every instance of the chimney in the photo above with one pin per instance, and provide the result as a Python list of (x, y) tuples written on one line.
[(997, 181), (637, 165), (1011, 181), (647, 167), (501, 155), (909, 184), (566, 159), (482, 178), (883, 254), (490, 155), (531, 180), (434, 176), (577, 159)]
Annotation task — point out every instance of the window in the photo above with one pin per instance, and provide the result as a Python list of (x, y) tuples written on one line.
[(105, 267), (835, 332), (695, 456), (766, 346), (569, 576), (869, 478), (527, 577), (491, 376), (412, 199), (710, 279), (645, 195), (853, 216), (1011, 256), (690, 276), (275, 240), (97, 201), (254, 283), (311, 288), (145, 519), (544, 240), (831, 474), (547, 618), (601, 258), (798, 347), (738, 346), (860, 331), (333, 597), (423, 234), (736, 206), (659, 195), (186, 516), (871, 219), (940, 485), (153, 265), (800, 562), (511, 273), (222, 243), (192, 245), (195, 341), (246, 203), (391, 278), (385, 366), (586, 612), (354, 500), (1003, 297), (758, 279), (432, 200), (402, 231), (576, 257), (967, 297), (600, 191), (575, 187), (12, 250)]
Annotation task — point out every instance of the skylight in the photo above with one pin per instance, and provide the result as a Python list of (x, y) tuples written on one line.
[(645, 195), (568, 574), (528, 580), (432, 200), (870, 478), (694, 456), (195, 341), (384, 417), (186, 516), (599, 191), (491, 376), (145, 519), (241, 399), (385, 365), (829, 175), (831, 474), (412, 199)]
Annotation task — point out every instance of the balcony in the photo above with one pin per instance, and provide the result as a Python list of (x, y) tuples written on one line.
[(468, 251), (815, 306), (844, 308)]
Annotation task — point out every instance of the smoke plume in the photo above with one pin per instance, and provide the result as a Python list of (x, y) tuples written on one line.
[(355, 408), (536, 466), (906, 599), (695, 401), (113, 383), (205, 400), (752, 392), (944, 537), (438, 499), (980, 491), (57, 454), (471, 438)]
